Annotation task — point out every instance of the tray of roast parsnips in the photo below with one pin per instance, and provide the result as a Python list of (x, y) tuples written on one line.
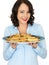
[(23, 38)]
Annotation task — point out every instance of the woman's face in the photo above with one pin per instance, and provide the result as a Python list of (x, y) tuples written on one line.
[(23, 14)]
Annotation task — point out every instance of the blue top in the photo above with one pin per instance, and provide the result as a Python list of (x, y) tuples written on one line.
[(24, 54)]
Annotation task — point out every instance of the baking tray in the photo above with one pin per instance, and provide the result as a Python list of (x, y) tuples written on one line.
[(39, 37)]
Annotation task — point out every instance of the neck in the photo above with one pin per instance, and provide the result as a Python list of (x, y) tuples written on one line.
[(22, 28), (23, 25)]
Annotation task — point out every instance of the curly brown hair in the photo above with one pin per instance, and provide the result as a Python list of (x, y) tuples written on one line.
[(15, 11)]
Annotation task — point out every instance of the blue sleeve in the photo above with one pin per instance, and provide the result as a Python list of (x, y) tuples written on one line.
[(8, 51), (41, 48)]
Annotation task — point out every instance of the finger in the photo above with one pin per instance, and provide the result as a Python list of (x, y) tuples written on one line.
[(36, 42), (30, 43), (13, 43)]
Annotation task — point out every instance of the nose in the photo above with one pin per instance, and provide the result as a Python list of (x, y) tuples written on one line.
[(25, 15)]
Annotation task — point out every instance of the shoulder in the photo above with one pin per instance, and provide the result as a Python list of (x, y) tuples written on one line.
[(10, 30), (7, 30), (39, 29), (9, 27), (36, 25), (36, 28)]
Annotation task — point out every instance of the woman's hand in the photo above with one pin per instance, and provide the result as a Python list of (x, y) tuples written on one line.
[(34, 45), (13, 45)]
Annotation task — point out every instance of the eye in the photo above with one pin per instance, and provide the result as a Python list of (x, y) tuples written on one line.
[(28, 12), (21, 11)]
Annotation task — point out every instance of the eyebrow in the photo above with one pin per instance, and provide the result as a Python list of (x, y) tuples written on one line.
[(22, 10)]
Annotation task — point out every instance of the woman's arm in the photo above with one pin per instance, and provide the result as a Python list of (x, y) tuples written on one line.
[(8, 51), (41, 47)]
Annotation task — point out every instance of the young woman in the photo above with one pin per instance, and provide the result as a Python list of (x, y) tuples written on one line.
[(23, 22)]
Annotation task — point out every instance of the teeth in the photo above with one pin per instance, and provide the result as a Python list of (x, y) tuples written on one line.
[(25, 19)]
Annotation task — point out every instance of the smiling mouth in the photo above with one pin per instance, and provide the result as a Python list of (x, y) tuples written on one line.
[(24, 19)]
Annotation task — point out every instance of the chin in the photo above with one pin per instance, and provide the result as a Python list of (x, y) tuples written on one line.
[(24, 22)]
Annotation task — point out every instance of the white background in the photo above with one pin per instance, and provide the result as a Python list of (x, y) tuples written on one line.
[(41, 8)]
